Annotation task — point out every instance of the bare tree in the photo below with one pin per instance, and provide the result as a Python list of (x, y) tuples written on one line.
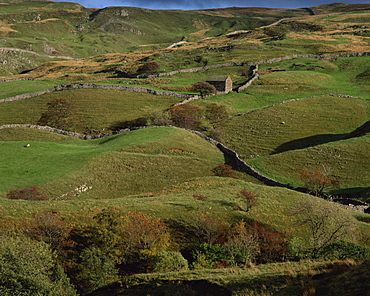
[(326, 223)]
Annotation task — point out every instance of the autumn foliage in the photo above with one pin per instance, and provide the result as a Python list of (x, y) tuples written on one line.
[(224, 170), (143, 236), (318, 181), (272, 244), (248, 198), (185, 116)]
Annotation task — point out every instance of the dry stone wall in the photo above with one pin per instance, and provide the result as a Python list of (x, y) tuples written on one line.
[(254, 76), (190, 70), (96, 86), (240, 164), (231, 155), (254, 63)]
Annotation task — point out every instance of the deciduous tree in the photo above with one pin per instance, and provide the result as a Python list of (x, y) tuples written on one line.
[(27, 268), (204, 88), (325, 223), (317, 181), (185, 115), (49, 228), (143, 236), (248, 198), (215, 113), (61, 113), (242, 245)]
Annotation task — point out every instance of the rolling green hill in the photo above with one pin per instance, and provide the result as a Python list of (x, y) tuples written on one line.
[(121, 165)]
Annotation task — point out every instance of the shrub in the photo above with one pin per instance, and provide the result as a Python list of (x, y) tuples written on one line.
[(28, 193), (96, 269), (298, 249), (28, 268), (185, 116), (169, 261), (208, 256), (344, 250), (204, 88), (273, 245), (62, 113), (224, 170)]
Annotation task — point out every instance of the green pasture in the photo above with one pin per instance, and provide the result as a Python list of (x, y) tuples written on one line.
[(135, 162), (294, 125), (298, 78), (99, 110), (13, 88), (346, 160)]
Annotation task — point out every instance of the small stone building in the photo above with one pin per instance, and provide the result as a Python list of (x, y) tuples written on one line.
[(223, 84)]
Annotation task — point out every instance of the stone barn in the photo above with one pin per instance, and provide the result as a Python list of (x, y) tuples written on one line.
[(223, 84)]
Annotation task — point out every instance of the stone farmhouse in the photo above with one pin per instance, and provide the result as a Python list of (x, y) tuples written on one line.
[(223, 84)]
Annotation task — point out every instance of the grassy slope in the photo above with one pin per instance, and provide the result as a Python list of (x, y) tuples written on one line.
[(295, 124), (158, 170), (176, 202), (348, 160), (280, 279), (99, 109), (130, 163)]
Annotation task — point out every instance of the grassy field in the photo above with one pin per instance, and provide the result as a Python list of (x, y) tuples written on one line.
[(294, 125), (13, 88), (121, 165), (347, 160), (99, 110), (271, 279)]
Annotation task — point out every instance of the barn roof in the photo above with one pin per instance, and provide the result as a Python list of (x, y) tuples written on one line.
[(217, 78)]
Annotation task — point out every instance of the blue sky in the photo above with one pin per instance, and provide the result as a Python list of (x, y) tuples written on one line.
[(204, 4)]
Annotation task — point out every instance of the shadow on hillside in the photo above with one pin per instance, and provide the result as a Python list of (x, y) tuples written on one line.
[(308, 142), (106, 140), (232, 205), (166, 287), (360, 193), (118, 125)]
